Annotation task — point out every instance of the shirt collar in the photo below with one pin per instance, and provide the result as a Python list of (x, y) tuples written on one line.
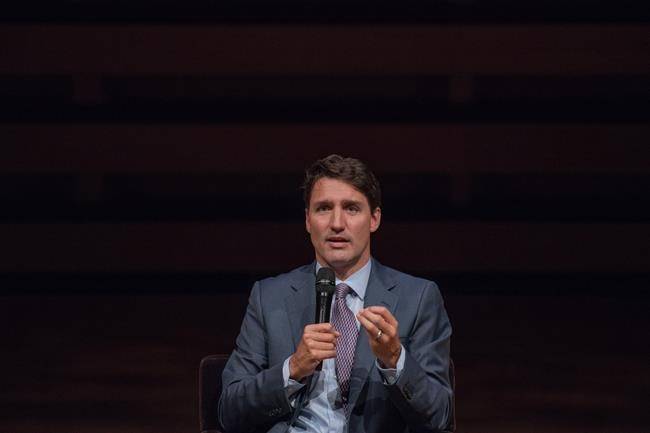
[(358, 281)]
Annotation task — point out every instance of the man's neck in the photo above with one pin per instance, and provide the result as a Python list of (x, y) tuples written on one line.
[(343, 273)]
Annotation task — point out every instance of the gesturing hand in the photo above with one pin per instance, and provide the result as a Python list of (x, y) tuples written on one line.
[(318, 342), (381, 327)]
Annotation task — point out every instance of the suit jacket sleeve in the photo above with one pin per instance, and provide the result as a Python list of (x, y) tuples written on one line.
[(253, 394), (422, 393)]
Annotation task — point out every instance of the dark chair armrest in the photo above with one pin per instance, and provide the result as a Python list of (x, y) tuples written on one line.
[(209, 392), (452, 378)]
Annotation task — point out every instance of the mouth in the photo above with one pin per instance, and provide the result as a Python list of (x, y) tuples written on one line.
[(337, 241)]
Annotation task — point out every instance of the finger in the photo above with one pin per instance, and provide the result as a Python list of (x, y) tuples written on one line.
[(379, 322), (322, 337), (319, 327), (373, 331), (369, 315), (387, 331), (317, 345), (385, 314), (369, 326)]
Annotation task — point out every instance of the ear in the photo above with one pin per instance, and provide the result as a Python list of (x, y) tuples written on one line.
[(375, 220), (307, 224)]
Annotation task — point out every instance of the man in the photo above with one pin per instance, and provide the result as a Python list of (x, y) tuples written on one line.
[(385, 352)]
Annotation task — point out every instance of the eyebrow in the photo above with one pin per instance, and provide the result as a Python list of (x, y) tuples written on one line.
[(352, 202), (343, 202)]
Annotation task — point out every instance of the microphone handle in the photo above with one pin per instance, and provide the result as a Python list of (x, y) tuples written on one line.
[(321, 314)]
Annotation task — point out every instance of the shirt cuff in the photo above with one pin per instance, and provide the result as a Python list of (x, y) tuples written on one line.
[(390, 375), (291, 387)]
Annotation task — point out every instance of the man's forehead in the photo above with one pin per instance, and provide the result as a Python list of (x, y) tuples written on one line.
[(329, 189)]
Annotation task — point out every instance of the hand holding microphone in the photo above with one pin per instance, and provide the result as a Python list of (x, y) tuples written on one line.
[(318, 341)]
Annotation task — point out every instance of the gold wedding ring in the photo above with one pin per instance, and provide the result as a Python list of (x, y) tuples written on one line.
[(379, 333)]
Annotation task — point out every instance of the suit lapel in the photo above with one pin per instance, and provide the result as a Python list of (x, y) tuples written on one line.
[(301, 303), (378, 293)]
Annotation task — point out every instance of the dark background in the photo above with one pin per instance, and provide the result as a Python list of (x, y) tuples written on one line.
[(150, 159)]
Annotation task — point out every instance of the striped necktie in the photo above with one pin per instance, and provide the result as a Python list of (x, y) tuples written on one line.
[(344, 321)]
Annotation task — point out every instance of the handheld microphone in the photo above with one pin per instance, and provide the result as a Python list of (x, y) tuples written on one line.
[(325, 288)]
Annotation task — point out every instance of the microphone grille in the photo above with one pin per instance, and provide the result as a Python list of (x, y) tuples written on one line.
[(325, 280)]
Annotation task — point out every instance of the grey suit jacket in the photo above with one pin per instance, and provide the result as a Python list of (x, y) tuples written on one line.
[(253, 397)]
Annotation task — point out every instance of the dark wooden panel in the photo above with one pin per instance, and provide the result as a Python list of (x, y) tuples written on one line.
[(246, 247), (563, 89), (401, 148), (415, 89), (327, 99), (276, 197), (560, 196), (292, 89), (17, 90), (326, 11), (377, 50)]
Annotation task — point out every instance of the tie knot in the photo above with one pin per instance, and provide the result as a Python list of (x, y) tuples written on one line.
[(342, 290)]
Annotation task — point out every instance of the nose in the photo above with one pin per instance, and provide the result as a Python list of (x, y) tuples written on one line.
[(337, 224)]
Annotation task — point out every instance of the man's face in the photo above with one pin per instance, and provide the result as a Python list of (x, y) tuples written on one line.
[(340, 221)]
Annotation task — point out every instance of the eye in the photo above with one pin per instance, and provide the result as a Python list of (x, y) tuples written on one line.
[(322, 208), (354, 209)]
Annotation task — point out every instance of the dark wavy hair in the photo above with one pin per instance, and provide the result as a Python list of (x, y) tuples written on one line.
[(348, 170)]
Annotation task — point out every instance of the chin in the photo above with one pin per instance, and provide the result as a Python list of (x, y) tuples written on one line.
[(335, 260), (340, 262)]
